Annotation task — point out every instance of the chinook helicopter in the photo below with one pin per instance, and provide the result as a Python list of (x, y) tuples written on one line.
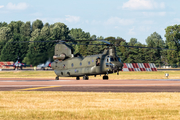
[(66, 64)]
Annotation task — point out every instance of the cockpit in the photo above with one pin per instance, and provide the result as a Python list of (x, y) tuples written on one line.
[(111, 61), (111, 58)]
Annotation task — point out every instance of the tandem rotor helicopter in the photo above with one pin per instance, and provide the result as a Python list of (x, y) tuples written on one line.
[(66, 64)]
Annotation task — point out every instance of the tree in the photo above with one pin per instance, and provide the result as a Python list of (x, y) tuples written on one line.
[(93, 37), (111, 39), (59, 31), (132, 42), (36, 33), (122, 51), (5, 34), (100, 38), (15, 26), (173, 42), (79, 34), (154, 55), (155, 40), (45, 32), (95, 48), (25, 29), (37, 52), (4, 24), (11, 51), (38, 24)]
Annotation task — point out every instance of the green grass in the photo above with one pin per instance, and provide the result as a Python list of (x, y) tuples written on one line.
[(31, 105), (122, 75), (27, 74)]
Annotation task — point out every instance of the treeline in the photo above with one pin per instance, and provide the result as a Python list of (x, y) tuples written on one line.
[(39, 52)]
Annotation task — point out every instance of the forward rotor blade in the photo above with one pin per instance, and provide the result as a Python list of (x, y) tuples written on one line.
[(144, 47), (88, 44), (107, 43)]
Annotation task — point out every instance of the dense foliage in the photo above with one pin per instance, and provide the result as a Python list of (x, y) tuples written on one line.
[(35, 52)]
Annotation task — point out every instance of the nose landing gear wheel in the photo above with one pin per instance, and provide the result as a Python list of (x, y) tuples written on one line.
[(85, 78), (57, 78), (105, 77), (117, 73)]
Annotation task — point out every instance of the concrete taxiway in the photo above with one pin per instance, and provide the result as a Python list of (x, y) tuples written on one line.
[(46, 84)]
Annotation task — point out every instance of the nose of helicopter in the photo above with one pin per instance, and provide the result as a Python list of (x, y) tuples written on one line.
[(117, 66)]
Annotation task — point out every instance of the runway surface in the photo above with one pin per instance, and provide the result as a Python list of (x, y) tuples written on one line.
[(35, 84)]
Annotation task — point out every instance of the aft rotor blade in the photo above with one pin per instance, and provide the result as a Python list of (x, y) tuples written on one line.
[(65, 41), (32, 41)]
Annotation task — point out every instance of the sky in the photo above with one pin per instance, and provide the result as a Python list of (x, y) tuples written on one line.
[(118, 18)]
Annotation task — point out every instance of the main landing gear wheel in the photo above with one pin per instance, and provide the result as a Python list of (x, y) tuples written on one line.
[(105, 77), (85, 78), (77, 78), (57, 78)]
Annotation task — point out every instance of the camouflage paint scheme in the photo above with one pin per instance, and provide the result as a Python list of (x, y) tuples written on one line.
[(66, 64)]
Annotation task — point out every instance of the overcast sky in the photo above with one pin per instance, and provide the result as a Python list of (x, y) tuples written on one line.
[(123, 18)]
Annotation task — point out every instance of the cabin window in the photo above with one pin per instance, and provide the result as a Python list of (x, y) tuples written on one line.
[(72, 65), (98, 61), (89, 63), (80, 63), (63, 65)]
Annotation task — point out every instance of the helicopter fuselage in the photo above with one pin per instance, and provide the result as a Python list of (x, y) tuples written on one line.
[(66, 64), (89, 65)]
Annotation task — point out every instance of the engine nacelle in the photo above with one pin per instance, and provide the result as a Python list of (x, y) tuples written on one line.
[(59, 57)]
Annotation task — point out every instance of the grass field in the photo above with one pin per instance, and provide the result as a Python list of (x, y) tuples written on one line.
[(36, 105), (122, 75), (30, 105)]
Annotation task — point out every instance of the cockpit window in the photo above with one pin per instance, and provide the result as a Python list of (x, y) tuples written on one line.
[(119, 59), (107, 59), (111, 59)]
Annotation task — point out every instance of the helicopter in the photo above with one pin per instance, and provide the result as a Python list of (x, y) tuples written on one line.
[(66, 64)]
